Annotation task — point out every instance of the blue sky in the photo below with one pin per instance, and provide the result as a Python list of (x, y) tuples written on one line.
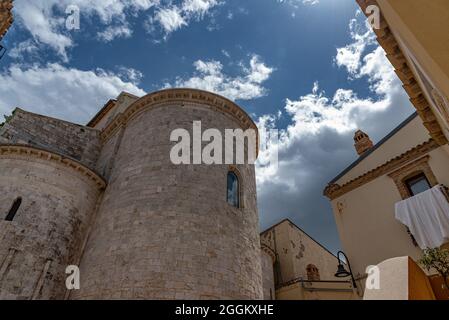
[(310, 68)]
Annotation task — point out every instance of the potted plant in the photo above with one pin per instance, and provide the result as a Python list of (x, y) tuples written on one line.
[(437, 259)]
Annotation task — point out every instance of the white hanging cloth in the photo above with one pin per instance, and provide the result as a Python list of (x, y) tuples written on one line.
[(427, 217)]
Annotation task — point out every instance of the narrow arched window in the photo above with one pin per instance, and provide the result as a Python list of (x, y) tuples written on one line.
[(233, 193), (12, 212)]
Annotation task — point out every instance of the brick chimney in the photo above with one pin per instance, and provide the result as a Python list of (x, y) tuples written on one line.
[(362, 142)]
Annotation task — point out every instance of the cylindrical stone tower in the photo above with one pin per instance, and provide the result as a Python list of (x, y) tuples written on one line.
[(166, 231)]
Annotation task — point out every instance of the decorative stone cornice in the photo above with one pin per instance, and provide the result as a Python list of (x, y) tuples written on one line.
[(6, 17), (395, 55), (182, 96), (334, 190), (7, 150)]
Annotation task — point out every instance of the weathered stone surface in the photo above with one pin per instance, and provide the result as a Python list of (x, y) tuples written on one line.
[(49, 227), (78, 142), (295, 251), (166, 231), (158, 231), (268, 276)]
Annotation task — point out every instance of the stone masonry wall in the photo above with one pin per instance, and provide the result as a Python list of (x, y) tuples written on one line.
[(295, 250), (268, 277), (78, 142), (165, 231), (48, 229), (108, 154)]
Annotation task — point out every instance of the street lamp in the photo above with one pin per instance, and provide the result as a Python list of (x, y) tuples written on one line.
[(342, 272)]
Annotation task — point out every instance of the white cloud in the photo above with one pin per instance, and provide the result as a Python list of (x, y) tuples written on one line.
[(173, 17), (226, 53), (113, 32), (61, 92), (295, 3), (37, 19), (170, 19), (198, 7), (45, 20), (310, 2), (318, 141), (130, 74), (350, 56), (258, 71), (25, 48), (210, 76)]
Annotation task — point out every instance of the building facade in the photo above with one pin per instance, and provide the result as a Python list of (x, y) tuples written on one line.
[(301, 268), (364, 195), (413, 34), (106, 197), (410, 160)]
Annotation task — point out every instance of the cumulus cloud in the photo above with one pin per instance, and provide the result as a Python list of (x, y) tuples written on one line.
[(310, 2), (170, 19), (61, 92), (198, 7), (295, 3), (209, 75), (130, 74), (344, 111), (173, 17), (317, 144), (113, 32), (46, 20), (22, 49), (350, 56)]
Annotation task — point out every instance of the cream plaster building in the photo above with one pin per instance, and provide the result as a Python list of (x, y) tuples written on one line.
[(364, 195), (414, 157), (413, 34)]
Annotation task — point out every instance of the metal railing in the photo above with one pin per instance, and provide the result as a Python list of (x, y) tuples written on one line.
[(303, 281)]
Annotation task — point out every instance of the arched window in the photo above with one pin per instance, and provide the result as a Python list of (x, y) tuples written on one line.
[(233, 191), (313, 274), (12, 212)]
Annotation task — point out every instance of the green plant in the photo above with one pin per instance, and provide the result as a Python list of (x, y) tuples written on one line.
[(437, 259)]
